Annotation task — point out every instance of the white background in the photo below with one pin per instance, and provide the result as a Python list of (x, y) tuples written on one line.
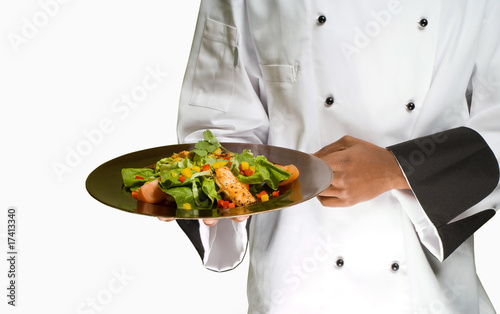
[(60, 81)]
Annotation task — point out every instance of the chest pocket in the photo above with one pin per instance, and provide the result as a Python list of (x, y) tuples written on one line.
[(214, 74)]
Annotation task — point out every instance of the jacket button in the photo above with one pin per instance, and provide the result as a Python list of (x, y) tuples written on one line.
[(321, 19), (395, 266), (410, 106), (329, 101), (423, 23), (340, 262)]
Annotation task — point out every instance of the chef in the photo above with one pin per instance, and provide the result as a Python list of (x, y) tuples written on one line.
[(402, 99)]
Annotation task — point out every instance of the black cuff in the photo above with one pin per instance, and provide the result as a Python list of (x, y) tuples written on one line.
[(449, 172)]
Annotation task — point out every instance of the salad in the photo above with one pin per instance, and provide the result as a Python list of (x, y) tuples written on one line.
[(208, 176)]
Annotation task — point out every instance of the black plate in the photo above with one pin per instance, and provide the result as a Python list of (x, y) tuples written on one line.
[(105, 182)]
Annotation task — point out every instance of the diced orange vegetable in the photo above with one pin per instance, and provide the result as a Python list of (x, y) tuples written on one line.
[(259, 195), (182, 178), (134, 194), (248, 172), (206, 167), (225, 204), (276, 193)]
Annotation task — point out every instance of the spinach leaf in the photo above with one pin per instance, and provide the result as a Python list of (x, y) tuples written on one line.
[(182, 195)]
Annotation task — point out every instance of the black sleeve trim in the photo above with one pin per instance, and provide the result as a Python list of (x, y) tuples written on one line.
[(449, 172), (192, 229), (454, 234), (248, 227)]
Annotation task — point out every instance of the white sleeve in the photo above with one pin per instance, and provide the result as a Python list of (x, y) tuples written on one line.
[(222, 92), (225, 244), (221, 89)]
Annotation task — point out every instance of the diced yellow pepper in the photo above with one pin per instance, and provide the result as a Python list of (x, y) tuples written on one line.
[(186, 206), (173, 174), (252, 168), (264, 197), (187, 172), (196, 168), (245, 165), (217, 152), (219, 164)]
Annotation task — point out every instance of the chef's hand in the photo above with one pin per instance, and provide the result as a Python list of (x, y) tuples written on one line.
[(361, 172), (210, 222)]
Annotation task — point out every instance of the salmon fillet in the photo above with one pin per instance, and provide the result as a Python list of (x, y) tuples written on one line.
[(233, 189)]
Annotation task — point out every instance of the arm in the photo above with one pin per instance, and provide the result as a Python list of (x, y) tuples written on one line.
[(453, 175), (456, 183), (451, 186), (221, 92)]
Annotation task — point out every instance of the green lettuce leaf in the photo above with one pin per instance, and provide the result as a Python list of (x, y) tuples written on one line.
[(264, 170), (130, 180), (276, 175), (210, 190)]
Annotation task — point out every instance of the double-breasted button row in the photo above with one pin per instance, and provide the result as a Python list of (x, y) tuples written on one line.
[(340, 263), (329, 101), (422, 23)]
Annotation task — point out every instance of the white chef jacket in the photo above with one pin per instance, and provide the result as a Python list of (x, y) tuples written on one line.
[(421, 78)]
